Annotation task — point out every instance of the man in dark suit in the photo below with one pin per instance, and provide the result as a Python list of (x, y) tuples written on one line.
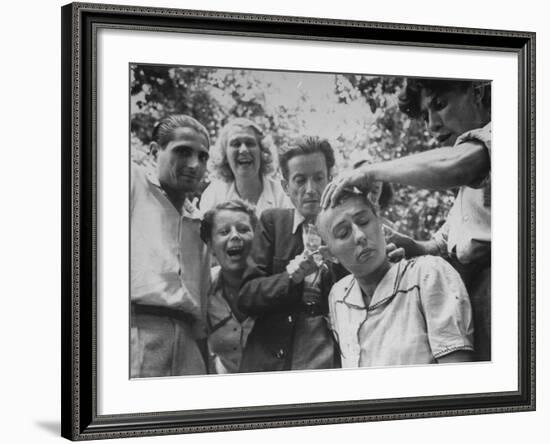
[(286, 286)]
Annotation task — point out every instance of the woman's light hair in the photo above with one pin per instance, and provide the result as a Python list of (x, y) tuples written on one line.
[(218, 163)]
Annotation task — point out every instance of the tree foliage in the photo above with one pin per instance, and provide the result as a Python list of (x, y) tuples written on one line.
[(392, 135), (358, 114)]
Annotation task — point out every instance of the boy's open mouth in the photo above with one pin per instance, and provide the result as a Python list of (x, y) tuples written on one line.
[(235, 251)]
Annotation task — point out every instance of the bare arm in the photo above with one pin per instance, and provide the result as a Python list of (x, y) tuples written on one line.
[(413, 247), (435, 169), (438, 168)]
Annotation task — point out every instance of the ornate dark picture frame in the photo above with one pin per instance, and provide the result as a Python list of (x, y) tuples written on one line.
[(80, 23)]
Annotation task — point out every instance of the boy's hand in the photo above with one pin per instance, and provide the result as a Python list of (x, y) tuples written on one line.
[(301, 266), (192, 208)]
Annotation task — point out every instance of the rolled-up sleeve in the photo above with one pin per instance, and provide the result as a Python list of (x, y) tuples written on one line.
[(446, 308), (480, 136)]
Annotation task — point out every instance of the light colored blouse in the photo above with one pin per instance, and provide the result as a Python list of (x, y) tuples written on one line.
[(273, 195), (226, 334), (419, 312)]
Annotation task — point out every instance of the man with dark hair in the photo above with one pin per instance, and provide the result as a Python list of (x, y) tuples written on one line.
[(413, 99), (287, 285), (458, 113), (169, 274)]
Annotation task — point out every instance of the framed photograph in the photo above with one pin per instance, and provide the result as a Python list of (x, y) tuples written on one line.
[(278, 221)]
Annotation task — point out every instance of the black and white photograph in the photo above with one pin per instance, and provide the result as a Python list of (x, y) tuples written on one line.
[(277, 221), (298, 221)]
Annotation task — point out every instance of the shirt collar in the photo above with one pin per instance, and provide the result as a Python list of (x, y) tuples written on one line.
[(353, 297), (268, 193), (232, 189), (188, 210), (215, 279), (152, 175), (267, 196), (298, 219)]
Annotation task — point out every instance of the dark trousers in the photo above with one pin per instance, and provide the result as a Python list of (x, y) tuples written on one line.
[(477, 279)]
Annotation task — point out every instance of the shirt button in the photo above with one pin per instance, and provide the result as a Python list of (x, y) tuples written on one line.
[(466, 218), (280, 354), (290, 319)]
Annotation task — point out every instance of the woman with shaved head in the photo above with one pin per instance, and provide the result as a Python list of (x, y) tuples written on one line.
[(412, 312)]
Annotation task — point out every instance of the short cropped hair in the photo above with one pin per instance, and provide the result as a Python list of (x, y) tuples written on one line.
[(304, 146), (218, 163), (353, 193), (207, 223), (163, 131), (410, 99), (345, 195)]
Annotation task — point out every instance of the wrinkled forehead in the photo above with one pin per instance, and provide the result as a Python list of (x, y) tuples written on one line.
[(307, 164)]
